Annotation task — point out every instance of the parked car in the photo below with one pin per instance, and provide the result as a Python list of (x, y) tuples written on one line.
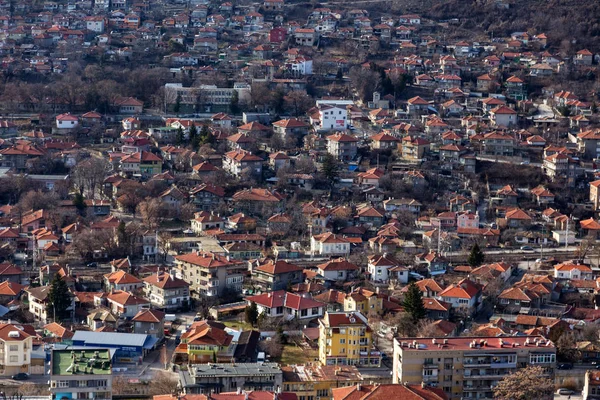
[(527, 248), (565, 366), (21, 376), (565, 392)]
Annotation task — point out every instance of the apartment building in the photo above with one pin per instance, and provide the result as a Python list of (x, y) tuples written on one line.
[(217, 378), (81, 374), (342, 146), (15, 349), (209, 274), (167, 292), (468, 367), (345, 338)]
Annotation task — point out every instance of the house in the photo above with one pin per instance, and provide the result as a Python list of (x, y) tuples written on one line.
[(150, 322), (503, 116), (67, 121), (305, 36), (205, 221), (38, 301), (277, 275), (123, 303), (515, 218), (121, 280), (572, 270), (370, 177), (383, 268), (342, 146), (414, 148), (206, 340), (583, 57), (330, 117), (17, 344), (206, 196), (433, 263), (10, 291), (384, 141), (142, 163), (329, 244), (241, 161), (465, 296), (337, 270), (287, 305), (128, 105), (258, 201), (387, 391), (167, 292)]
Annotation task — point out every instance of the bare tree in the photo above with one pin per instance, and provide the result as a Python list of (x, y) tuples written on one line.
[(365, 81), (525, 384), (152, 212), (88, 175)]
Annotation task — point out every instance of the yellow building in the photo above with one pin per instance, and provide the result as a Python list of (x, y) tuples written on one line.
[(363, 301), (468, 367), (316, 381), (345, 338)]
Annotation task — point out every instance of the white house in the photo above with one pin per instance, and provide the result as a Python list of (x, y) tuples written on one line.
[(503, 116), (380, 269), (66, 121), (337, 270), (329, 244), (465, 295), (467, 220), (287, 305), (95, 24), (330, 117), (571, 270)]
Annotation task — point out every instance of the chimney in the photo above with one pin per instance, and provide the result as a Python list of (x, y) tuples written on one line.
[(358, 387)]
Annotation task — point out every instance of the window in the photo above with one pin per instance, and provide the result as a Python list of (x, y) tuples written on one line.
[(13, 347), (14, 358), (342, 341), (315, 310)]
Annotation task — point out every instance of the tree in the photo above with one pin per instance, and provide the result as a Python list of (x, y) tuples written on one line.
[(179, 136), (59, 298), (234, 104), (298, 102), (192, 135), (152, 212), (413, 303), (177, 105), (330, 169), (89, 174), (365, 81), (476, 258), (525, 384), (251, 313), (79, 203)]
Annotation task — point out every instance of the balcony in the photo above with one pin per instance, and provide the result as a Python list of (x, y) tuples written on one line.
[(430, 366)]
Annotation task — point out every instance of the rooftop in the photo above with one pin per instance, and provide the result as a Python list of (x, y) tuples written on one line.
[(84, 362)]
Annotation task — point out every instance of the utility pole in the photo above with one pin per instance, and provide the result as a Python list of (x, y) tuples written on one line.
[(567, 234)]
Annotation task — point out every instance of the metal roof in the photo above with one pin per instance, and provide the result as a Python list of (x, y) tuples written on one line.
[(111, 339)]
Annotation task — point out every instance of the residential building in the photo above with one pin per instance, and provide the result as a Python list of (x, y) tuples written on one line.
[(345, 338), (342, 146), (216, 378), (16, 342), (122, 280), (317, 381), (209, 274), (337, 270), (388, 391), (167, 292), (330, 117), (380, 266), (277, 275), (329, 244), (81, 374), (206, 340), (287, 305), (591, 386), (468, 367)]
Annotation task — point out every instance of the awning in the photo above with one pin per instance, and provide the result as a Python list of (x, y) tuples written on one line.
[(150, 343)]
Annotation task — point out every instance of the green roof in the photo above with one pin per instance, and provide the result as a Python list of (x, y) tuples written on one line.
[(81, 362)]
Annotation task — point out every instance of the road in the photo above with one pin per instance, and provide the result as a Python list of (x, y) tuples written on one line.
[(534, 252)]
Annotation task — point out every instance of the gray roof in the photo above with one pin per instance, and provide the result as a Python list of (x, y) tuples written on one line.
[(238, 369), (111, 338)]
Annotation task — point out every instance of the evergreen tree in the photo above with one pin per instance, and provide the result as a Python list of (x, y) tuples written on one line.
[(205, 136), (79, 203), (330, 168), (251, 314), (59, 298), (192, 134), (179, 138), (177, 105), (234, 104), (340, 75), (413, 303), (476, 257)]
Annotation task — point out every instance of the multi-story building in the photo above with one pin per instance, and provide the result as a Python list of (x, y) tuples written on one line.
[(15, 349), (209, 274), (559, 166), (204, 98), (468, 367), (167, 292), (317, 381), (329, 117), (81, 374), (345, 338), (217, 378), (342, 146), (588, 143), (595, 194), (591, 386), (498, 144)]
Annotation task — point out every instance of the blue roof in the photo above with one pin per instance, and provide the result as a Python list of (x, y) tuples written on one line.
[(112, 339)]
